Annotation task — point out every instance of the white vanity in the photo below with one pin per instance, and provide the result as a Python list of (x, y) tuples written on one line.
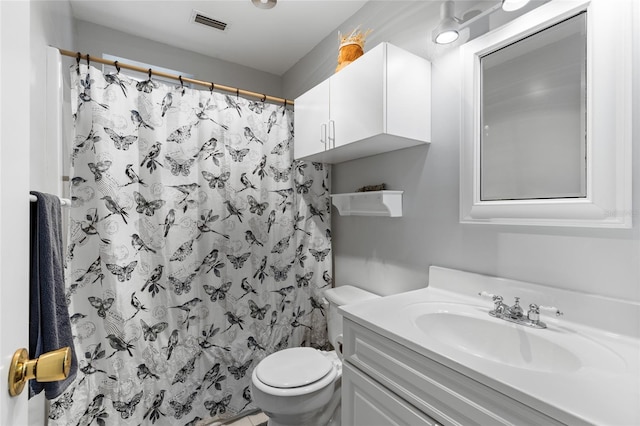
[(435, 356)]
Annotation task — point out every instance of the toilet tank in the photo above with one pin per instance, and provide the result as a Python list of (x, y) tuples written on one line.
[(339, 296)]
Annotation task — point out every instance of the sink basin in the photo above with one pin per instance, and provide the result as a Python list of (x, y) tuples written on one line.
[(469, 329), (582, 369)]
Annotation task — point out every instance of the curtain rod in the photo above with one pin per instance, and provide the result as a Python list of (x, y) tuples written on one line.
[(211, 85)]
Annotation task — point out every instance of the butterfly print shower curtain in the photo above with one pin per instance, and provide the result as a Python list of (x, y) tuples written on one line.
[(197, 246)]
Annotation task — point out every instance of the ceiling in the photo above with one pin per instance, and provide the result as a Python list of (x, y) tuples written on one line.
[(270, 40)]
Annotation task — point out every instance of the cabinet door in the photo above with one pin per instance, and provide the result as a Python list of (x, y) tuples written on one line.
[(357, 99), (311, 121), (367, 403)]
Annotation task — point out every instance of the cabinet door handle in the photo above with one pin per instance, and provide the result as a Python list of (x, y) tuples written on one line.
[(323, 135), (332, 134)]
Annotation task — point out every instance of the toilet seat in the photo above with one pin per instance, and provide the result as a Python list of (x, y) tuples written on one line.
[(292, 368), (294, 371)]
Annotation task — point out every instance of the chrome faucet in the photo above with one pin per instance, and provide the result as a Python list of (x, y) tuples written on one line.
[(516, 314)]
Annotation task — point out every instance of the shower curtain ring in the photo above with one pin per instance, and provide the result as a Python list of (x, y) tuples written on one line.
[(181, 82), (115, 63), (88, 60), (78, 62), (285, 103), (264, 98), (150, 71), (213, 86), (237, 93)]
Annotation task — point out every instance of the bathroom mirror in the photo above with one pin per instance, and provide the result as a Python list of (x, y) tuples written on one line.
[(533, 115), (546, 118)]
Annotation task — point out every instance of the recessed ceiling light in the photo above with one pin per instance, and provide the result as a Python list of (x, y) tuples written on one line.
[(511, 5), (264, 4)]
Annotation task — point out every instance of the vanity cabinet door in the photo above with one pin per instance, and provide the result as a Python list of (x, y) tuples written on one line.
[(312, 121), (366, 403)]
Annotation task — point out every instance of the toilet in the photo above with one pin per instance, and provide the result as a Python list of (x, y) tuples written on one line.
[(301, 386)]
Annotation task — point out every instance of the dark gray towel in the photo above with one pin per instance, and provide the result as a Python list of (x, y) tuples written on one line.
[(49, 325)]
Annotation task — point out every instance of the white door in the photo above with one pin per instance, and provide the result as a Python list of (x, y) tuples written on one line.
[(14, 198)]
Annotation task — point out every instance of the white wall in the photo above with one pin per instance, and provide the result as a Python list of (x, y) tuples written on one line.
[(390, 255), (97, 40)]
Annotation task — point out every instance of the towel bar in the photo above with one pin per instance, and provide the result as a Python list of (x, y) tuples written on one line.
[(65, 202)]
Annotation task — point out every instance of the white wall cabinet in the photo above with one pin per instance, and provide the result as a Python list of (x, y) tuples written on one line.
[(379, 103), (419, 388)]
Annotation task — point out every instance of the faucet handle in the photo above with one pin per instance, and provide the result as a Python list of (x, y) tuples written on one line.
[(497, 299), (551, 309), (498, 306), (486, 294), (534, 313)]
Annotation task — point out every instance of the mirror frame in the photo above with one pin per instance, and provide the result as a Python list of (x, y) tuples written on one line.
[(609, 57)]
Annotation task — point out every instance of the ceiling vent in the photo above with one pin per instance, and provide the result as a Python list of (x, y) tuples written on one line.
[(199, 18)]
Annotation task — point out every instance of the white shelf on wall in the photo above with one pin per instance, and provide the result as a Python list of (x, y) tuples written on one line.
[(373, 203)]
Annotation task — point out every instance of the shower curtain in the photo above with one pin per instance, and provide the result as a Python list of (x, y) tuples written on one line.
[(197, 246)]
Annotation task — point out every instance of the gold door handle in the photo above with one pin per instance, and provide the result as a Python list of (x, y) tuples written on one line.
[(49, 367)]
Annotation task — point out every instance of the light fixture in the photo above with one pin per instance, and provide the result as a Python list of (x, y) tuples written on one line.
[(264, 4), (448, 29), (511, 5)]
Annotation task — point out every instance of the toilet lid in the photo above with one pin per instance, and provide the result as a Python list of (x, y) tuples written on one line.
[(293, 367)]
